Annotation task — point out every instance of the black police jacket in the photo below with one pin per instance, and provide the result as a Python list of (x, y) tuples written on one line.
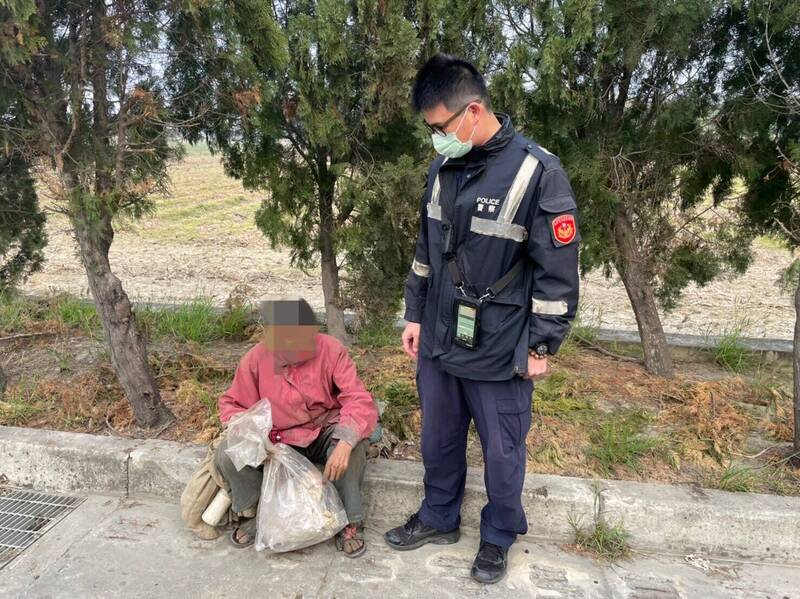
[(507, 199)]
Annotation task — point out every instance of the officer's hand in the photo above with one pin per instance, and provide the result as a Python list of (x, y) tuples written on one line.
[(338, 461), (411, 339), (537, 367)]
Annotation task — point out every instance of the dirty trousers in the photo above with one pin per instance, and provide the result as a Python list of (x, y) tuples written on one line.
[(246, 484)]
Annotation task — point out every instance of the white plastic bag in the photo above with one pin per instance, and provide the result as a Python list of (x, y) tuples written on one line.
[(298, 507), (248, 435)]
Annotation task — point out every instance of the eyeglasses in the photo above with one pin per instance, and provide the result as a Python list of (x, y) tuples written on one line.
[(441, 129)]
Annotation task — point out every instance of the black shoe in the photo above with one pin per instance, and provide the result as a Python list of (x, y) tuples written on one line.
[(490, 563), (415, 534)]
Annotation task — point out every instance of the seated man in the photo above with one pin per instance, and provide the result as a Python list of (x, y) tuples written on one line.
[(319, 407)]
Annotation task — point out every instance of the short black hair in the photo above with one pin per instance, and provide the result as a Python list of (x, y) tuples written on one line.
[(447, 80)]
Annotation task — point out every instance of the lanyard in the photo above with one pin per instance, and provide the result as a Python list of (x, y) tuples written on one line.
[(449, 256)]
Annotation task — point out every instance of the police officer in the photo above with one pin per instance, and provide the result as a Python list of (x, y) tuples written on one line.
[(491, 292)]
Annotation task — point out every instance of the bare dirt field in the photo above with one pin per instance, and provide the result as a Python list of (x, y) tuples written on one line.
[(202, 241)]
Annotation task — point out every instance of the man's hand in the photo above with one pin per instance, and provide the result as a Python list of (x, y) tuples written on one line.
[(338, 461), (537, 367), (411, 339)]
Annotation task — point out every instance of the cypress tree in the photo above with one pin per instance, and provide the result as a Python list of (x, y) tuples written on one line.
[(760, 125), (623, 92), (84, 104), (315, 114)]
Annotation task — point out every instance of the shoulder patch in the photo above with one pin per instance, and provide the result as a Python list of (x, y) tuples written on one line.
[(563, 229)]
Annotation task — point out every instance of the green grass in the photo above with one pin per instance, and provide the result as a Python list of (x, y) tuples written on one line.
[(731, 354), (602, 539), (17, 312), (584, 331), (772, 242), (202, 211), (206, 396), (606, 541), (378, 334), (780, 478), (74, 313), (630, 350), (620, 441), (556, 396), (203, 368), (192, 321), (400, 401), (65, 359), (19, 404), (209, 401), (738, 478), (202, 203), (549, 452), (235, 322), (195, 321), (577, 332), (581, 335)]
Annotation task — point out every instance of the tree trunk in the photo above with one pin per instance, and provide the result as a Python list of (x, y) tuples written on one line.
[(796, 368), (91, 220), (3, 382), (330, 269), (128, 350), (630, 264), (330, 289)]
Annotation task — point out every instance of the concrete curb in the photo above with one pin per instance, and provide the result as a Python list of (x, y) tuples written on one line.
[(662, 518), (771, 347)]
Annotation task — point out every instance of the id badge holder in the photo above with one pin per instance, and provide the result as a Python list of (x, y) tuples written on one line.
[(468, 319)]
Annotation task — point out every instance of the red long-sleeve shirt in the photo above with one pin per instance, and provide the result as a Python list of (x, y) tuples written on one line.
[(305, 397)]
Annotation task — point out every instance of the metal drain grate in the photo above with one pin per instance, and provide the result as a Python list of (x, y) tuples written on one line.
[(27, 515)]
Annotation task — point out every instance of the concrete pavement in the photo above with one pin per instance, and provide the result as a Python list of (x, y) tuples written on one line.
[(113, 547), (674, 518)]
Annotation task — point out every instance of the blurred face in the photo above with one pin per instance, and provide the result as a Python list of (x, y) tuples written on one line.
[(290, 343)]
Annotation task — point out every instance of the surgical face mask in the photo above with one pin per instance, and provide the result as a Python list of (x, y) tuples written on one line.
[(449, 145)]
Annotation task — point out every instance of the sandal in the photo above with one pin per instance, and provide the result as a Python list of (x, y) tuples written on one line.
[(248, 532), (351, 540)]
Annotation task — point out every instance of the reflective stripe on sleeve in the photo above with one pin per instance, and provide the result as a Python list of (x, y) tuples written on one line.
[(420, 269), (549, 307), (434, 211)]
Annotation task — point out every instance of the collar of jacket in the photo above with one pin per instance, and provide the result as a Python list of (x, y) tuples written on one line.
[(497, 142)]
